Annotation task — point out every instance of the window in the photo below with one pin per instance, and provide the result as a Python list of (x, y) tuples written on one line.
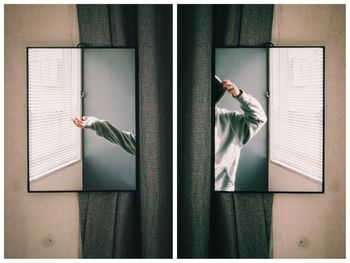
[(53, 100), (296, 110)]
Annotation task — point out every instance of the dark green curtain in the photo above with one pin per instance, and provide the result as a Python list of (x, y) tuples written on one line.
[(220, 225), (135, 224)]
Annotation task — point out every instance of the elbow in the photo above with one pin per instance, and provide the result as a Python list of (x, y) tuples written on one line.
[(253, 128), (263, 119)]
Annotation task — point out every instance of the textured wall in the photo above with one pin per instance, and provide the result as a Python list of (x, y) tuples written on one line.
[(44, 225), (307, 225)]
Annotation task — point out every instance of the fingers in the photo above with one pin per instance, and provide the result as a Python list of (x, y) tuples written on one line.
[(229, 88), (75, 122), (228, 85), (227, 82), (78, 123)]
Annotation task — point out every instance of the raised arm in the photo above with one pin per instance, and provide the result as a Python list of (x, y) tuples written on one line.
[(245, 125), (126, 140)]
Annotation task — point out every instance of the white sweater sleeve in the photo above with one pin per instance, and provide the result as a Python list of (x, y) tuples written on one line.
[(246, 125), (126, 140)]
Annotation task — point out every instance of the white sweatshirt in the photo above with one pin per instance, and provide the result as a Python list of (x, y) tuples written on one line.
[(126, 140), (233, 130)]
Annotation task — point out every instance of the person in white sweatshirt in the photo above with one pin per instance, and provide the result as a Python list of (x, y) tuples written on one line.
[(126, 140), (233, 130)]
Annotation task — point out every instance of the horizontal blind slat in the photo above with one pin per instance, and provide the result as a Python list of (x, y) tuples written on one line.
[(53, 99), (296, 109)]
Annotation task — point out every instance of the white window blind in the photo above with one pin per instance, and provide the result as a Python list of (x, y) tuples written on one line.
[(296, 109), (53, 100)]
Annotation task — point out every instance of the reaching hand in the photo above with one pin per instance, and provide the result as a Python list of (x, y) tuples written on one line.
[(80, 123), (231, 88)]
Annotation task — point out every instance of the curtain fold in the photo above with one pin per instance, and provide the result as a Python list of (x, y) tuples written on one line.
[(220, 225), (135, 224), (194, 131)]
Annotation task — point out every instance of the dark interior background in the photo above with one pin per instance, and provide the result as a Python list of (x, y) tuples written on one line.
[(109, 85), (247, 68)]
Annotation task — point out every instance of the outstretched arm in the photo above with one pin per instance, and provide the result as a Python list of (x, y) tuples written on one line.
[(245, 125), (126, 140)]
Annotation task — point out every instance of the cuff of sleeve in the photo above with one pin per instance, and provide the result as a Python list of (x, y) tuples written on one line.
[(91, 122), (243, 98)]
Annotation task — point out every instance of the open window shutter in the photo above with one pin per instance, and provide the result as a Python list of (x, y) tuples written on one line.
[(296, 109), (53, 100)]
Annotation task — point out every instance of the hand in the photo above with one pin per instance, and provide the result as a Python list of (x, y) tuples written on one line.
[(80, 123), (231, 88)]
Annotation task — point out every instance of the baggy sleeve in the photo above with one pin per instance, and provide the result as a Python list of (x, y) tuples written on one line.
[(246, 125), (126, 140)]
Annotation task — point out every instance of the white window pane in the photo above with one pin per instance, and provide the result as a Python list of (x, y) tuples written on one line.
[(53, 100), (296, 109)]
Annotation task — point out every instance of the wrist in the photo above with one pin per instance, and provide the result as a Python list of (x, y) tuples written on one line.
[(237, 93), (90, 122)]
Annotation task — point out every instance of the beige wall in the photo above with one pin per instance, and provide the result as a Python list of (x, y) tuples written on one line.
[(44, 225), (313, 225)]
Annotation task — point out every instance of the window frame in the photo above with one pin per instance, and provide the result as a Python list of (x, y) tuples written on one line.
[(82, 47), (284, 166), (79, 79), (269, 46)]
